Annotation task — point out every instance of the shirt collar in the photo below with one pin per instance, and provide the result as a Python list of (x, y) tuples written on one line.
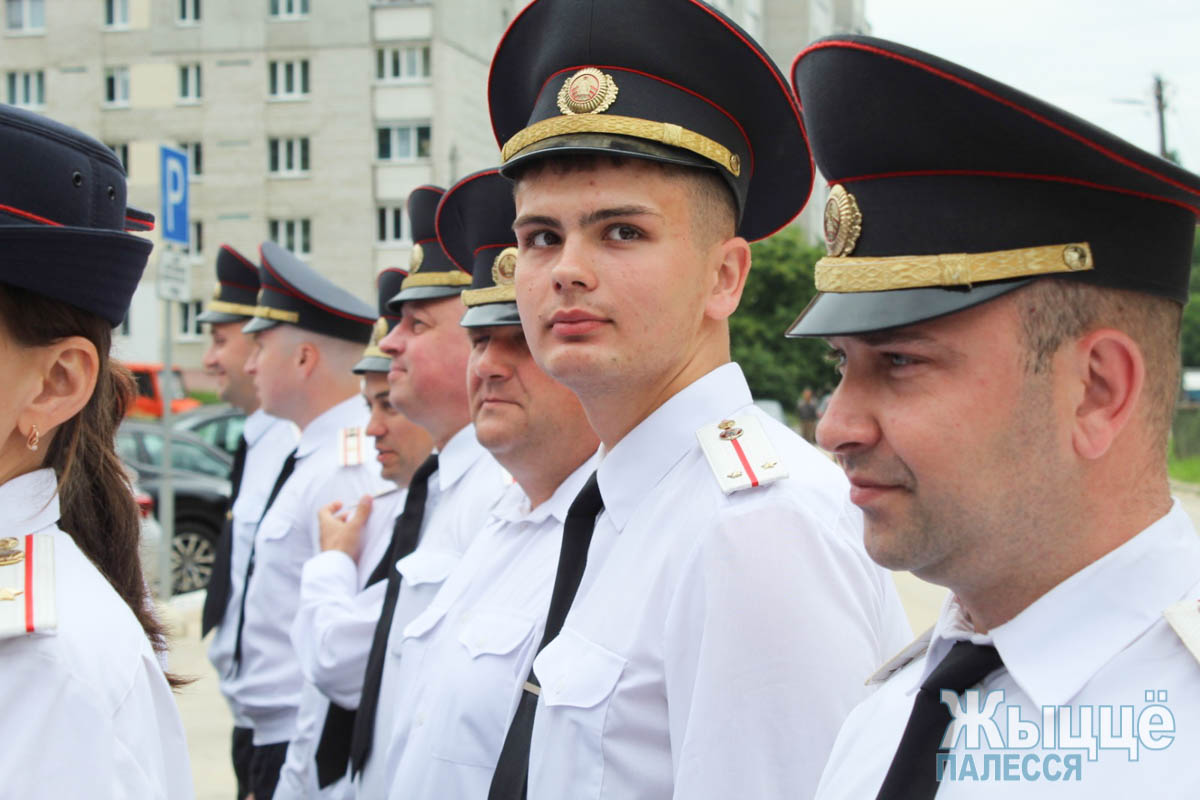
[(346, 414), (640, 460), (1055, 646), (257, 425), (29, 503), (513, 506), (458, 456)]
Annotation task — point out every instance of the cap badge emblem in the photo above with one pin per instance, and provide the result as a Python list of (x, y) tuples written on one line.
[(414, 261), (379, 331), (588, 91), (504, 268), (217, 291), (843, 222)]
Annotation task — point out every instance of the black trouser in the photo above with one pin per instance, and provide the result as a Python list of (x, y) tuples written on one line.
[(265, 764), (243, 749)]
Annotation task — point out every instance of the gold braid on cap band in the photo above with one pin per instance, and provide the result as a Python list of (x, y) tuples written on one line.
[(490, 294), (277, 314), (848, 274), (663, 132), (448, 278), (224, 307)]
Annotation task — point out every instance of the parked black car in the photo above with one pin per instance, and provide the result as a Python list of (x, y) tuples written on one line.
[(201, 481), (219, 424)]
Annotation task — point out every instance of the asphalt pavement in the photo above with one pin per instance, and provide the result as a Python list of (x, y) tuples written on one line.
[(208, 723)]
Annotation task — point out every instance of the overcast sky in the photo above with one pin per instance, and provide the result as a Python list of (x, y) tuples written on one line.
[(1081, 55)]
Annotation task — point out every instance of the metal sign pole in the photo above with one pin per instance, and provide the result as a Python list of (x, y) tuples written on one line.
[(166, 492)]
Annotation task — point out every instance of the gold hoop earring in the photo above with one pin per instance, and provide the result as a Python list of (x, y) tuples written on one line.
[(34, 438)]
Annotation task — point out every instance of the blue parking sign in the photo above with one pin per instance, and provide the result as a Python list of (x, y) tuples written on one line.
[(174, 192)]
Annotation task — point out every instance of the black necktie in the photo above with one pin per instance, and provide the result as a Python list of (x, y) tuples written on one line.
[(913, 773), (404, 541), (512, 770), (285, 472), (216, 599)]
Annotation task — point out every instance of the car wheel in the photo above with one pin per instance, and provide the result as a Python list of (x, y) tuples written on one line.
[(193, 549)]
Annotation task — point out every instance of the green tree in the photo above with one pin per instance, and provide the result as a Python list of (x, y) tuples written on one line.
[(778, 289)]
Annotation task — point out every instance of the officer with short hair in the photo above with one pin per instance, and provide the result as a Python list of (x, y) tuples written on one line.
[(1003, 293)]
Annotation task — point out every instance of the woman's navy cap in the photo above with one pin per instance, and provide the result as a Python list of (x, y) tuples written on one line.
[(236, 294), (474, 224), (293, 292), (672, 81), (387, 285), (64, 225), (431, 273), (950, 189)]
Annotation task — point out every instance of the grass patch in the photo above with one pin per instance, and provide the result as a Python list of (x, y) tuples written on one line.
[(1184, 469), (206, 398)]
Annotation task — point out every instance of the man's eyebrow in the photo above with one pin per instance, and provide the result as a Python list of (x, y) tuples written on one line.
[(898, 336), (602, 214), (536, 219)]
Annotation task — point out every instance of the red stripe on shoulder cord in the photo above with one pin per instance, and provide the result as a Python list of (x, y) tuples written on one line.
[(741, 454), (29, 583)]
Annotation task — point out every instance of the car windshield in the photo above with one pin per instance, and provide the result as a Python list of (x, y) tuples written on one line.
[(223, 432)]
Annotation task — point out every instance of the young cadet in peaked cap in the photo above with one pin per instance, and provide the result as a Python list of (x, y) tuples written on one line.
[(1003, 293), (495, 601), (342, 588), (726, 614), (91, 711), (266, 441), (308, 334), (450, 493)]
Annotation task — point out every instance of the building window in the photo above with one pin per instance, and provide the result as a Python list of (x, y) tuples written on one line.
[(288, 156), (293, 234), (288, 9), (189, 322), (121, 151), (189, 12), (116, 14), (27, 89), (402, 64), (195, 154), (195, 245), (406, 142), (390, 225), (287, 79), (190, 88), (116, 86), (25, 16)]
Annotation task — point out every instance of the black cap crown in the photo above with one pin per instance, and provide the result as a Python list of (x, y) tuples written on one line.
[(431, 273), (950, 189), (236, 294), (63, 218), (474, 223), (387, 284), (293, 292), (672, 81)]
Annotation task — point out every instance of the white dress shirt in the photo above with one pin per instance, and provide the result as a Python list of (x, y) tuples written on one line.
[(717, 641), (268, 442), (334, 625), (1097, 639), (468, 482), (269, 682), (88, 708), (465, 659)]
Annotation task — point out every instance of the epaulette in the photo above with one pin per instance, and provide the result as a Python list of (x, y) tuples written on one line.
[(740, 454), (27, 602), (1184, 619), (909, 654), (352, 446)]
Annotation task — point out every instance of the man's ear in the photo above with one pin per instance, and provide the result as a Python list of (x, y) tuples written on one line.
[(1112, 374), (308, 356), (730, 282), (65, 380)]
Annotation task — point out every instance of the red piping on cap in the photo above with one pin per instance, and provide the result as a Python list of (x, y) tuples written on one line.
[(483, 247), (437, 216), (239, 257), (287, 290), (30, 216)]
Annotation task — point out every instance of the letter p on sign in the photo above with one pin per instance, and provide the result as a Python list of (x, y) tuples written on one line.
[(174, 193)]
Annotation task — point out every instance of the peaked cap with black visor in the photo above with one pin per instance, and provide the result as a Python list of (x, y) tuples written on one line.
[(431, 273), (294, 293), (474, 224), (672, 81), (65, 230), (236, 294), (387, 285), (950, 189)]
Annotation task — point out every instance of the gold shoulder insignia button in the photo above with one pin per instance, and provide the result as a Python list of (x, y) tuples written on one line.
[(504, 268), (843, 222), (588, 91), (414, 260)]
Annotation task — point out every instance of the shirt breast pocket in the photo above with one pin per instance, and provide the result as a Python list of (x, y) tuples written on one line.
[(579, 680), (488, 665)]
